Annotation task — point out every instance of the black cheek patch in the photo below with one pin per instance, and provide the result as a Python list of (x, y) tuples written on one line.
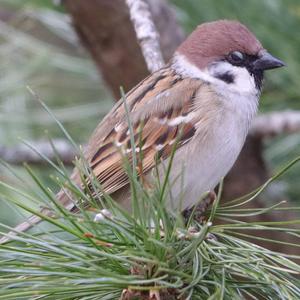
[(226, 77)]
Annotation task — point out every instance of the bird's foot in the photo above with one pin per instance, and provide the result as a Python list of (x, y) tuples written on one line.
[(200, 210)]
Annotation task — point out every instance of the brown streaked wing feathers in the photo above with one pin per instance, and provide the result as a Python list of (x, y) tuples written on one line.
[(150, 122)]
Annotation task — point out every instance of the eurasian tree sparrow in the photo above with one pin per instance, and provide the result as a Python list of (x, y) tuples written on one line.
[(208, 92)]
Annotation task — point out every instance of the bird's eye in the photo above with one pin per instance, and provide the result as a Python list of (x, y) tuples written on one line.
[(236, 57)]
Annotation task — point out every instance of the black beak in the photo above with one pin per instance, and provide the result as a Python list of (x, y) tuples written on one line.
[(267, 62)]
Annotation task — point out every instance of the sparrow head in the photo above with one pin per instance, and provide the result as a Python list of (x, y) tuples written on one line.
[(228, 51)]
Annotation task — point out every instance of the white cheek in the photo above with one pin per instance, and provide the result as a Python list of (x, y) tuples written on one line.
[(243, 81), (242, 94)]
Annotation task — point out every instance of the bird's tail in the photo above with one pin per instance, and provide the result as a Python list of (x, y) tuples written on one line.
[(62, 197), (30, 222)]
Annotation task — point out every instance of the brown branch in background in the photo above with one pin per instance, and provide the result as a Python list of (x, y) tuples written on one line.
[(276, 123), (146, 33), (105, 29)]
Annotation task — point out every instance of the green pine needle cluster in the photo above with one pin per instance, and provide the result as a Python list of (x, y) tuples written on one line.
[(106, 252)]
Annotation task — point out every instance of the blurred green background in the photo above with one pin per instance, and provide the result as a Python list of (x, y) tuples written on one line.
[(38, 48)]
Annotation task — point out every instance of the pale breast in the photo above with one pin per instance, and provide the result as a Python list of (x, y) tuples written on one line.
[(200, 166)]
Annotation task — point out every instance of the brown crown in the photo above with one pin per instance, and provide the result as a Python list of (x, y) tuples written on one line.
[(214, 40)]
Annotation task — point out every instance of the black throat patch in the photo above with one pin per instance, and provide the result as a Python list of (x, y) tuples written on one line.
[(258, 77)]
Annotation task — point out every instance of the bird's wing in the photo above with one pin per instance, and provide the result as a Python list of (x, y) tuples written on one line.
[(160, 107)]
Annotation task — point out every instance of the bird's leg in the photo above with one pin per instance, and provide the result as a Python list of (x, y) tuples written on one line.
[(201, 208)]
